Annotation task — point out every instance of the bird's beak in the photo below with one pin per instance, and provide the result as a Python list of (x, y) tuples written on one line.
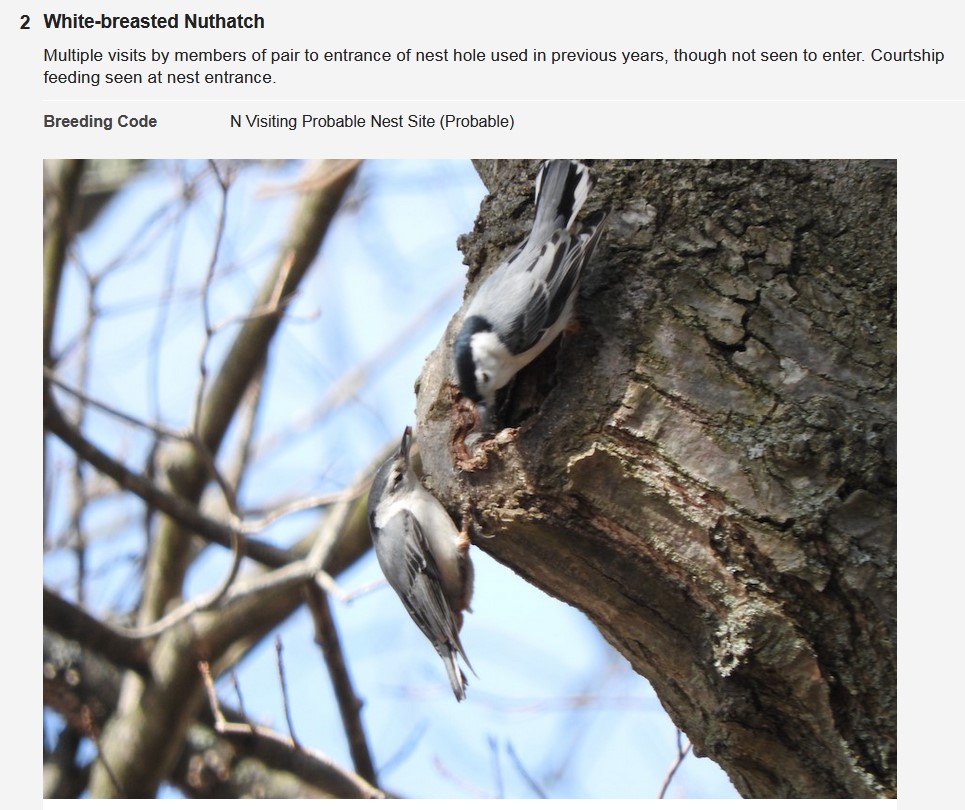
[(406, 444)]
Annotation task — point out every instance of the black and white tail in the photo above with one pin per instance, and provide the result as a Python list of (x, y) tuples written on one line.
[(562, 187), (457, 678)]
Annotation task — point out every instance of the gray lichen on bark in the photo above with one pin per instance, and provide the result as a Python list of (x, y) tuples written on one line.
[(707, 467)]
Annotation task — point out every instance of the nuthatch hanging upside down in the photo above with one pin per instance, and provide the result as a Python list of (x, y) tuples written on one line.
[(524, 304), (423, 556)]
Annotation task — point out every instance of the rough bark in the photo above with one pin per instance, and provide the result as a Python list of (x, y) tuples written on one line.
[(707, 467)]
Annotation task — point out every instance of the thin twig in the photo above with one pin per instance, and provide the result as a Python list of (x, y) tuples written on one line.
[(468, 787), (78, 506), (222, 726), (273, 307), (681, 755), (284, 692), (223, 596), (241, 701), (402, 753), (213, 702), (157, 429), (176, 508), (497, 769), (533, 784), (205, 297), (328, 583), (200, 446), (202, 449), (278, 300), (204, 602), (304, 504), (347, 597)]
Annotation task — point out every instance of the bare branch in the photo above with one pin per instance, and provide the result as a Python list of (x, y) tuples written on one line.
[(241, 702), (62, 194), (405, 749), (74, 623), (196, 605), (349, 784), (497, 768), (303, 504), (533, 784), (464, 784), (261, 764), (682, 752), (189, 473), (349, 705), (176, 508), (284, 692), (221, 725), (159, 430), (209, 331)]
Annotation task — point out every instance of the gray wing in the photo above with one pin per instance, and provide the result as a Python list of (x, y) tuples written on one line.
[(535, 286), (403, 553)]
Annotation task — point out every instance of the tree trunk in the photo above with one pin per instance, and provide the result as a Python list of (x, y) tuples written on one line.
[(706, 468)]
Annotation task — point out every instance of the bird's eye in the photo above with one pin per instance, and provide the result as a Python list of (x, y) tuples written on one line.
[(484, 377)]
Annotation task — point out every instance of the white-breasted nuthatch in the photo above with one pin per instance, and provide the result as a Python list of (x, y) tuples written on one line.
[(423, 556), (524, 304)]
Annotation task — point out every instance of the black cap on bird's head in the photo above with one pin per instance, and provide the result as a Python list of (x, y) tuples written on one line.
[(465, 362), (466, 366)]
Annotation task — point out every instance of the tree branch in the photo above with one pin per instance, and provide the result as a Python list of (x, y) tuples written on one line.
[(188, 472), (171, 505), (210, 766), (349, 705), (58, 232), (77, 625)]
